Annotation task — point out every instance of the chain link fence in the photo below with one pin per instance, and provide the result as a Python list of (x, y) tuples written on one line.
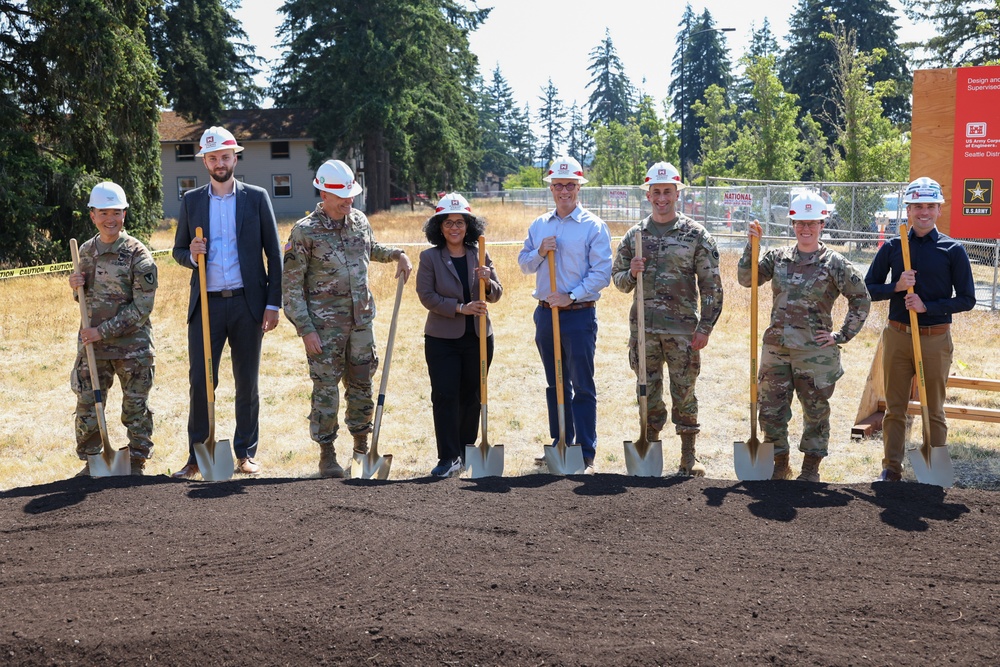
[(862, 217)]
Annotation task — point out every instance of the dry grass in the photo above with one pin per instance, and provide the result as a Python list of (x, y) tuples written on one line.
[(39, 319)]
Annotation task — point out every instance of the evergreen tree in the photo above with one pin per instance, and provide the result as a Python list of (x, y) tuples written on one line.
[(717, 131), (967, 31), (611, 97), (552, 116), (768, 145), (618, 154), (497, 112), (522, 138), (699, 62), (393, 77), (206, 62), (580, 142), (651, 127), (762, 43), (77, 106), (806, 68)]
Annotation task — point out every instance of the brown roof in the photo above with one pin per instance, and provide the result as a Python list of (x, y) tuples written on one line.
[(245, 124)]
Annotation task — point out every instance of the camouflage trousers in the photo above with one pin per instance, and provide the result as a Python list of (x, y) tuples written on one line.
[(683, 365), (812, 375), (349, 355), (136, 377)]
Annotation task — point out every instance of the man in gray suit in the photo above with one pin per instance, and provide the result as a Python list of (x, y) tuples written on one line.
[(244, 297)]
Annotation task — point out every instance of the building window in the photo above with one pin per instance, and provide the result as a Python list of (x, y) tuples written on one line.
[(185, 183), (281, 185), (279, 150), (184, 152)]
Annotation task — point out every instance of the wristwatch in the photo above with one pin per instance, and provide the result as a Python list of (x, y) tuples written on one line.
[(572, 298)]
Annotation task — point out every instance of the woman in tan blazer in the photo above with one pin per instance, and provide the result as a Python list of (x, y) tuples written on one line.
[(448, 286)]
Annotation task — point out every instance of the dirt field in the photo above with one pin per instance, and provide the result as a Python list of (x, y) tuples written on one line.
[(529, 570)]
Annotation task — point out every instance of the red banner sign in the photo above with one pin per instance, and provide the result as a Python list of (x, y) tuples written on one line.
[(976, 164)]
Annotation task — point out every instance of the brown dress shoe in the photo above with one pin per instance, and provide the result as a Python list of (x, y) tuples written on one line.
[(247, 466), (190, 471)]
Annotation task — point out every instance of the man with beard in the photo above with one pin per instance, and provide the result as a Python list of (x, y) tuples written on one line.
[(244, 297)]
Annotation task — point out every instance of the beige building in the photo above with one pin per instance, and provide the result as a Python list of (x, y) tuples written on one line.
[(275, 157)]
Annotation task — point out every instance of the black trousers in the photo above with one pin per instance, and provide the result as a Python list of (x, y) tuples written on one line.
[(232, 322), (453, 366)]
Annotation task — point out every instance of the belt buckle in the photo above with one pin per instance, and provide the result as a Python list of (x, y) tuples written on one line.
[(227, 293)]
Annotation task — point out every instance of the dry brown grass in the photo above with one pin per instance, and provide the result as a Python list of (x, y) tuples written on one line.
[(38, 322)]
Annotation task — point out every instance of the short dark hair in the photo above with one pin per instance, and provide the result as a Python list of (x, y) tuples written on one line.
[(475, 226)]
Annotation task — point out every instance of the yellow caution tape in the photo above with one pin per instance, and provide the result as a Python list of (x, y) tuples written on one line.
[(54, 268)]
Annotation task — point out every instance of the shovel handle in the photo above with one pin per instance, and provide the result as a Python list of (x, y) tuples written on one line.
[(380, 406), (918, 357), (483, 367), (557, 344), (206, 333), (754, 283), (640, 312)]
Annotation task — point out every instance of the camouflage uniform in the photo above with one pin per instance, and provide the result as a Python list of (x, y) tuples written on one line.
[(120, 287), (682, 270), (804, 287), (325, 290)]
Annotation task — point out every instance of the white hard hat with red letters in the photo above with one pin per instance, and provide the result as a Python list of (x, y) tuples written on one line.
[(923, 191), (808, 206), (453, 203), (107, 195), (662, 172), (218, 138), (565, 167), (336, 177)]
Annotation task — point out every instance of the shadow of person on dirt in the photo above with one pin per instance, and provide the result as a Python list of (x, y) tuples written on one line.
[(909, 506), (236, 486), (779, 501), (64, 493)]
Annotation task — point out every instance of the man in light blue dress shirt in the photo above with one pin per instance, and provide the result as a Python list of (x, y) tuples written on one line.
[(582, 245)]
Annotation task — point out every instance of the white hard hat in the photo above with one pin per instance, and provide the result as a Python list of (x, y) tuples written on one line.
[(453, 203), (107, 195), (923, 191), (335, 177), (565, 167), (218, 139), (662, 172), (808, 206)]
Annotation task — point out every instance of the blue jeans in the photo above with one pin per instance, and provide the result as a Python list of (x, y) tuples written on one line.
[(578, 334)]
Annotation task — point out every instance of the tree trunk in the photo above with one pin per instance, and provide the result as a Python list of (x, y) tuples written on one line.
[(377, 172)]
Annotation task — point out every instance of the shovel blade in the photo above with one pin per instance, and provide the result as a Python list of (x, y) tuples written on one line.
[(644, 464), (215, 460), (569, 461), (754, 461), (935, 469), (484, 461), (110, 464), (371, 466)]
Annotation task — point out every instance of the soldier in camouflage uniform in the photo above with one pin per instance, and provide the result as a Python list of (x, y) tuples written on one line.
[(680, 262), (118, 275), (800, 349), (326, 296)]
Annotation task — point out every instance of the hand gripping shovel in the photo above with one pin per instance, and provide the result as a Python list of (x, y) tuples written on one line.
[(560, 458), (484, 460), (753, 460), (109, 462), (931, 465), (642, 457), (215, 459), (372, 465)]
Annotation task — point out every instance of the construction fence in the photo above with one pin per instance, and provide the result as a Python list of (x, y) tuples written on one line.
[(862, 216)]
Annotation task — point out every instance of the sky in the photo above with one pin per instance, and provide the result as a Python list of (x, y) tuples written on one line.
[(533, 40)]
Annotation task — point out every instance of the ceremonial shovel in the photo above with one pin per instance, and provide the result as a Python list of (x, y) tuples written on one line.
[(484, 460), (560, 458), (371, 464), (215, 459), (642, 457), (109, 462), (752, 459), (931, 465)]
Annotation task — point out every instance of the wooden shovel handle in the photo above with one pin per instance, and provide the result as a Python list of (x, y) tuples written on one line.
[(640, 312), (556, 337), (483, 367), (206, 333), (95, 383), (918, 357), (754, 282)]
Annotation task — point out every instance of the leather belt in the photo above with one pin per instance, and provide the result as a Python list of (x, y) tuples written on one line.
[(226, 293), (932, 330), (576, 305)]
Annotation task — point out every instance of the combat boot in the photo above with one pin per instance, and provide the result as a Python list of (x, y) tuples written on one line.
[(810, 468), (689, 467), (360, 443), (138, 466), (652, 434), (328, 466), (781, 468)]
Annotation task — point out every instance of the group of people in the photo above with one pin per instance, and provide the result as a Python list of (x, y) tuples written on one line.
[(321, 281)]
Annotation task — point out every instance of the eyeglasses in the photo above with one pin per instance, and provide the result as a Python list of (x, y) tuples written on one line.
[(807, 224), (453, 224), (568, 187)]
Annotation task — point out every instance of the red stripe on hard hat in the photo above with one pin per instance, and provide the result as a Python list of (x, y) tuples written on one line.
[(439, 209), (229, 142), (677, 178), (578, 173), (647, 180)]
